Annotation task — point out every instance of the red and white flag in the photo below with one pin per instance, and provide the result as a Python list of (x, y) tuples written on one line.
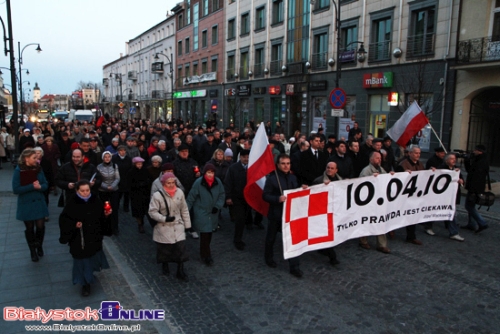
[(410, 123), (101, 118), (260, 164)]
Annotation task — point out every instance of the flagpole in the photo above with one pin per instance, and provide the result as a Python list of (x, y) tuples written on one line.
[(277, 178), (439, 139)]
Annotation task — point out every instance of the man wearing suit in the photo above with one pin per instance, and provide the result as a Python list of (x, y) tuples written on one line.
[(313, 161), (227, 143)]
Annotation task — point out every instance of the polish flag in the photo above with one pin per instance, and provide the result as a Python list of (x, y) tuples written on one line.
[(410, 123), (261, 163), (101, 118)]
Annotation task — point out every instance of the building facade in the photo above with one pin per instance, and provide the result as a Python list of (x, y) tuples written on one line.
[(476, 112)]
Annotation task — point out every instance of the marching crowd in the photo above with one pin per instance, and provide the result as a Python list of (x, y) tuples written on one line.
[(179, 177)]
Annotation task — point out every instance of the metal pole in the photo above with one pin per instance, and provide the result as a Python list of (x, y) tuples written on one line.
[(13, 76), (337, 27)]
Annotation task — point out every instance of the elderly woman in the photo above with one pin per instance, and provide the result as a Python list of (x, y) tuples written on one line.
[(108, 191), (82, 224), (168, 207), (29, 183), (206, 198), (154, 170), (219, 163), (138, 178)]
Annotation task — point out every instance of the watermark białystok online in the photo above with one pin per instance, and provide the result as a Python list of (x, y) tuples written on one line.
[(109, 311), (82, 328)]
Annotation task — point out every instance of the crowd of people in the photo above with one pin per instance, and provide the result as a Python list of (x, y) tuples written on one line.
[(179, 177)]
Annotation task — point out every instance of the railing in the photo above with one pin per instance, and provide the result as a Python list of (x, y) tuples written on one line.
[(296, 68), (258, 70), (230, 74), (275, 68), (132, 75), (319, 61), (379, 51), (243, 72), (132, 97), (420, 45), (479, 50), (118, 98)]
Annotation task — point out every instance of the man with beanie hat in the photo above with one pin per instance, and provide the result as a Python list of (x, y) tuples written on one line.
[(478, 169), (234, 184), (228, 155)]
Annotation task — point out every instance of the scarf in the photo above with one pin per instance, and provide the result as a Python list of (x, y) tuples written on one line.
[(209, 181), (85, 199), (172, 191)]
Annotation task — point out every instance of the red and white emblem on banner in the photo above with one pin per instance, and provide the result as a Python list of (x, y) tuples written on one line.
[(308, 219)]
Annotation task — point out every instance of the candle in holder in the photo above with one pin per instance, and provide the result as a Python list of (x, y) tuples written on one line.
[(196, 169), (107, 207)]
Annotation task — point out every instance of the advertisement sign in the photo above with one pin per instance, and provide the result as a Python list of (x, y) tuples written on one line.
[(377, 80), (345, 125)]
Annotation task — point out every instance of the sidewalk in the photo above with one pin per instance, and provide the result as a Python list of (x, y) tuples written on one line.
[(47, 284)]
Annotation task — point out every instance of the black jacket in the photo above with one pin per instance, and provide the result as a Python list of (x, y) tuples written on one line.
[(184, 171), (69, 173), (124, 166), (94, 226), (272, 192), (477, 168), (235, 182), (344, 165), (310, 167)]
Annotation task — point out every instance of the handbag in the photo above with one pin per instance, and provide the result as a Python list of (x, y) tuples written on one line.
[(486, 198)]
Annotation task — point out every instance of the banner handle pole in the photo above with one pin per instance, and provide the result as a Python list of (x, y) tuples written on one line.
[(279, 183), (439, 139)]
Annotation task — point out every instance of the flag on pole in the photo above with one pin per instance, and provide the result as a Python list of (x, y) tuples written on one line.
[(100, 120), (260, 164), (410, 123)]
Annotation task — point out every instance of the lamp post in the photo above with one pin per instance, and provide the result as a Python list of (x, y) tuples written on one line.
[(171, 75), (38, 49)]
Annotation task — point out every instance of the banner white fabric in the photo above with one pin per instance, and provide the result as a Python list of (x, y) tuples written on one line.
[(323, 216)]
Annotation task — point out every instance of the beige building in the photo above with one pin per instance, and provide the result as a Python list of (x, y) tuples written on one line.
[(476, 113)]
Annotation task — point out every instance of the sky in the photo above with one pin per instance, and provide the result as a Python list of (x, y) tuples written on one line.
[(77, 38)]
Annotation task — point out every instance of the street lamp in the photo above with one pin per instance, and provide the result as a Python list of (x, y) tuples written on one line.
[(171, 75), (38, 49)]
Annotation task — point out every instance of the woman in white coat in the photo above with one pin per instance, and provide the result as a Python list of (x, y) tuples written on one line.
[(169, 209)]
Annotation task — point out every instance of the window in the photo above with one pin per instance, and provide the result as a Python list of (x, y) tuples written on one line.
[(260, 18), (230, 66), (215, 5), (188, 12), (204, 39), (179, 48), (349, 35), (322, 4), (215, 35), (320, 50), (231, 29), (214, 64), (187, 71), (196, 9), (195, 68), (205, 7), (179, 74), (380, 39), (244, 59), (187, 45), (259, 62), (180, 24), (277, 11), (422, 30), (245, 24), (258, 113), (276, 58), (204, 66), (297, 43)]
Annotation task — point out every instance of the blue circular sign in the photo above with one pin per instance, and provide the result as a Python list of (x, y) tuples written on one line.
[(338, 98)]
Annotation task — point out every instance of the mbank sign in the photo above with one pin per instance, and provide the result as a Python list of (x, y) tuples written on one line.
[(377, 80)]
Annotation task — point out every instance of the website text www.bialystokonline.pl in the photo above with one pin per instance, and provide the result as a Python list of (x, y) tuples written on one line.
[(80, 328)]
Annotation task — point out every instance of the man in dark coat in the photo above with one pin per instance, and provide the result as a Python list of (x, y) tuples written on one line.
[(234, 184), (75, 170), (312, 161), (477, 168), (437, 159), (356, 158), (389, 163), (185, 168), (124, 163), (64, 146), (207, 149), (342, 161), (227, 143), (273, 194)]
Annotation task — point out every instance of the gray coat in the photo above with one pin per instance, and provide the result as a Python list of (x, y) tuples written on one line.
[(110, 175)]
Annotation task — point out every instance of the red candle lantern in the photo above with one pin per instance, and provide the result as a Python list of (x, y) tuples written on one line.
[(107, 207)]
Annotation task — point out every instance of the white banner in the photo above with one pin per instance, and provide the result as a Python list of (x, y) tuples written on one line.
[(323, 216)]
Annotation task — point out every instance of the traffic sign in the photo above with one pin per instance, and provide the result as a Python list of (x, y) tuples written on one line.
[(338, 98), (337, 112), (121, 105), (121, 110), (132, 110)]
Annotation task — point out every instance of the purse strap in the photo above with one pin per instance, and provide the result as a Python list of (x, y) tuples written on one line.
[(166, 205), (489, 182)]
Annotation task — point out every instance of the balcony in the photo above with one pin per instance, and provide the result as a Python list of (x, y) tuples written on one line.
[(157, 94), (296, 68), (132, 97), (379, 51), (231, 74), (118, 98), (479, 50), (420, 45), (244, 72), (105, 82), (132, 75), (319, 61), (275, 68)]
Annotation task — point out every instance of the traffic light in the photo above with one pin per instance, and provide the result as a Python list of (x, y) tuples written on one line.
[(213, 108)]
